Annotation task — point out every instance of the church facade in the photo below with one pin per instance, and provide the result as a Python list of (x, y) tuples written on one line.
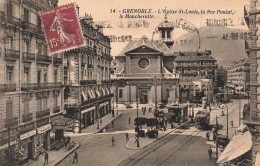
[(143, 73)]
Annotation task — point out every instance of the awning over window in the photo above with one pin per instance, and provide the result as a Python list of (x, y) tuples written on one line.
[(239, 145), (84, 96), (104, 92), (97, 91), (107, 91), (93, 94), (90, 94), (62, 123)]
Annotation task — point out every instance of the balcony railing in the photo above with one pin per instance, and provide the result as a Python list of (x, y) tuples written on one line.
[(105, 81), (38, 86), (28, 57), (88, 82), (27, 25), (7, 87), (57, 61), (27, 117), (42, 113), (44, 59), (12, 54), (56, 109), (13, 122)]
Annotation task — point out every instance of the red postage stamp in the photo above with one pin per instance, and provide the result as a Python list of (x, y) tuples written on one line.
[(62, 28)]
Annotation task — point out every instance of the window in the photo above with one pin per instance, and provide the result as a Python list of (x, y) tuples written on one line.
[(39, 48), (44, 103), (26, 46), (55, 77), (168, 34), (120, 93), (143, 63), (39, 104), (163, 34), (55, 104), (39, 76), (45, 77), (39, 22), (26, 14), (10, 43), (167, 93), (26, 75), (9, 9), (9, 109), (26, 107), (9, 74)]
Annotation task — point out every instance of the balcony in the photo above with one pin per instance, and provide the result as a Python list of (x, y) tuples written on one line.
[(7, 87), (38, 86), (88, 82), (28, 57), (44, 59), (11, 54), (57, 61), (13, 122), (27, 117), (26, 25), (56, 109), (90, 66), (43, 113)]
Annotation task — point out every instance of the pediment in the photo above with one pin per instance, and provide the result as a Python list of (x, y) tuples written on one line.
[(144, 50)]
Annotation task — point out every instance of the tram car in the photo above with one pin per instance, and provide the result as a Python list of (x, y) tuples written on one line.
[(202, 119)]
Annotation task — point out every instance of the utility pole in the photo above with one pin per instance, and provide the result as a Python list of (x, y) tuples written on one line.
[(155, 87), (116, 98), (239, 108), (136, 101), (217, 138)]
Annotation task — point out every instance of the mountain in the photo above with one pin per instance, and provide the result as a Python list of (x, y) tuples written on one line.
[(225, 50)]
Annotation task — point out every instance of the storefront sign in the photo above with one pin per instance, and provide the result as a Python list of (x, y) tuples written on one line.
[(44, 128), (27, 135), (6, 145), (87, 110)]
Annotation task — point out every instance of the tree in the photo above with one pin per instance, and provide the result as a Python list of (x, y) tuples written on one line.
[(152, 122), (140, 121)]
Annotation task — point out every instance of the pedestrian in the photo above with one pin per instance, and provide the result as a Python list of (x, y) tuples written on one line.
[(75, 157), (214, 137), (210, 152), (113, 141), (112, 124), (65, 143), (126, 137), (46, 158), (207, 135), (129, 120), (232, 123), (136, 137), (172, 126)]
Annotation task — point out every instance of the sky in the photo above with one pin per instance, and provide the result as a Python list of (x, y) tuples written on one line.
[(108, 12)]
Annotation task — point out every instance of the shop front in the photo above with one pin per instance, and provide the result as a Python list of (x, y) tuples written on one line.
[(59, 126), (27, 145), (87, 117), (43, 138), (6, 151)]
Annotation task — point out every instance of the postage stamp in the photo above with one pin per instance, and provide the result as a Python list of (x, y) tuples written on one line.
[(62, 28)]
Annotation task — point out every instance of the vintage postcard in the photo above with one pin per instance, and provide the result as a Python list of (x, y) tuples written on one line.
[(130, 82)]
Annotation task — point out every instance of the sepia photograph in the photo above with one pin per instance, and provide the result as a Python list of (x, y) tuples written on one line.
[(129, 83)]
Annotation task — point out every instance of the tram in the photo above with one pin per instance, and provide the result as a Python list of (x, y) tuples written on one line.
[(202, 119)]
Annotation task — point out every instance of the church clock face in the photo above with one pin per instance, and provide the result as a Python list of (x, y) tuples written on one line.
[(143, 63)]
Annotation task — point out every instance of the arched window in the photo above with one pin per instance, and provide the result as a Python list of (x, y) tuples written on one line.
[(120, 93)]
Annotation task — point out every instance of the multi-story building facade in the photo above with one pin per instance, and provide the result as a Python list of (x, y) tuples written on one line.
[(238, 76), (252, 49), (31, 91), (144, 71), (194, 66), (87, 77), (221, 78)]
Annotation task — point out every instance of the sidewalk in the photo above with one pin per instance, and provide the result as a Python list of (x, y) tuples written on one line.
[(55, 157), (144, 141), (93, 128)]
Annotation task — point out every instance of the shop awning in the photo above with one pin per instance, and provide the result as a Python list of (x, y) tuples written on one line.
[(257, 161), (84, 96), (88, 109), (239, 145), (107, 91), (90, 94), (97, 91), (93, 94), (104, 92), (61, 124)]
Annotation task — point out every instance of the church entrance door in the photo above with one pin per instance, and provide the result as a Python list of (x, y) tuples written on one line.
[(144, 97)]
